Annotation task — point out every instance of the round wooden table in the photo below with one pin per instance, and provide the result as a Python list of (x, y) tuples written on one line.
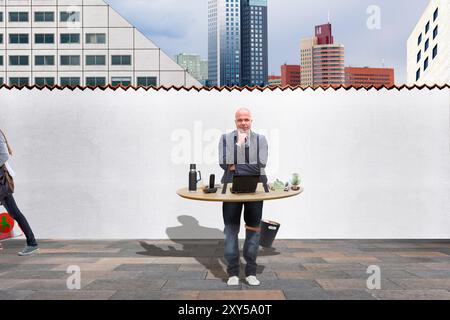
[(259, 195)]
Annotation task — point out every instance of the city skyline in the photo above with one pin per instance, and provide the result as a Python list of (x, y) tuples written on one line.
[(183, 27)]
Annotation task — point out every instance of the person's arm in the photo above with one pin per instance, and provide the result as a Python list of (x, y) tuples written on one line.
[(4, 154), (263, 151)]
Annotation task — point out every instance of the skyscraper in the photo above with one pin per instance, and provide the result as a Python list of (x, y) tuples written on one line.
[(322, 61), (237, 42), (254, 42), (224, 42), (74, 42), (428, 47)]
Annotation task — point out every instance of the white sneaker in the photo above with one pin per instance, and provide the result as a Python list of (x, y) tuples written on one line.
[(253, 281), (233, 281)]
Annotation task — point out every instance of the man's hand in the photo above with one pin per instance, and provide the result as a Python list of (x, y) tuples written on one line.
[(232, 167)]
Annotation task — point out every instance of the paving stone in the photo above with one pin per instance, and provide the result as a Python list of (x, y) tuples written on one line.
[(125, 284), (433, 274), (422, 284), (14, 294), (357, 284), (34, 274), (284, 284), (242, 295), (183, 284), (320, 294), (416, 253), (187, 275), (437, 265), (312, 275), (412, 295), (148, 267), (385, 273), (41, 285), (155, 295), (71, 295)]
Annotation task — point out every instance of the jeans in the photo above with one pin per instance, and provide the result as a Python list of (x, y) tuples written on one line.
[(10, 205), (232, 218)]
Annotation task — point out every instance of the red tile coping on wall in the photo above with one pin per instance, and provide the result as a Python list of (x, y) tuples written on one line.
[(226, 88)]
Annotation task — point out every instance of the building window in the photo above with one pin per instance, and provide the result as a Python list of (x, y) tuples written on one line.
[(419, 40), (44, 60), (44, 16), (95, 81), (124, 81), (124, 60), (1, 81), (435, 14), (95, 60), (44, 81), (44, 38), (1, 60), (146, 81), (425, 64), (1, 16), (435, 32), (1, 38), (70, 81), (18, 38), (18, 60), (435, 51), (427, 44), (427, 27), (18, 17), (95, 38), (16, 81), (70, 60), (70, 38), (417, 74), (72, 16)]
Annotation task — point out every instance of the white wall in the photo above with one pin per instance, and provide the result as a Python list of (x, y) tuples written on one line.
[(107, 164)]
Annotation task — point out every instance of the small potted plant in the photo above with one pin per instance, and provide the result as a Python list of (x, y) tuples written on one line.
[(295, 181)]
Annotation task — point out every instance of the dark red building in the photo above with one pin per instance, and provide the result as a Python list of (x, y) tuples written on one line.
[(365, 77), (290, 75), (324, 34)]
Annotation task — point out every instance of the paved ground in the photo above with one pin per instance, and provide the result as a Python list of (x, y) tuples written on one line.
[(294, 269)]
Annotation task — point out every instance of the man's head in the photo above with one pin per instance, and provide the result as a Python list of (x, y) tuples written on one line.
[(243, 120)]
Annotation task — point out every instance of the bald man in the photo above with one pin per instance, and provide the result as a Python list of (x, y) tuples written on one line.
[(242, 152)]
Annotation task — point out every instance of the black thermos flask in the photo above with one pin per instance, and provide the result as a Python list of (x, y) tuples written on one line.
[(193, 178)]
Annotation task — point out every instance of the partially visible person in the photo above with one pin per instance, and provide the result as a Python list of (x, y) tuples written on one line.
[(10, 204)]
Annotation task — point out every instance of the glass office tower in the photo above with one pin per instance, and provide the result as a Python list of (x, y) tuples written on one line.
[(254, 42), (224, 42)]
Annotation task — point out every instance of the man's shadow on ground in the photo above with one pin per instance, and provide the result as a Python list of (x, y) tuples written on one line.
[(206, 245)]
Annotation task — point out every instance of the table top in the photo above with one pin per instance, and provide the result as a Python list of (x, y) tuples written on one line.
[(259, 195)]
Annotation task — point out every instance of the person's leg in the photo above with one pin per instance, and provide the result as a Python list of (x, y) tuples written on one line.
[(252, 217), (11, 207), (231, 218)]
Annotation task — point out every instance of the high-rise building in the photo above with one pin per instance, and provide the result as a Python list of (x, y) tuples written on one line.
[(237, 42), (366, 77), (290, 75), (74, 42), (428, 47), (274, 80), (254, 42), (194, 65), (322, 61), (224, 42)]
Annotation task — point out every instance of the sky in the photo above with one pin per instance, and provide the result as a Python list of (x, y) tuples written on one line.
[(179, 26)]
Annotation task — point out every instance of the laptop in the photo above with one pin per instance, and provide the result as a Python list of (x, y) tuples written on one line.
[(245, 184)]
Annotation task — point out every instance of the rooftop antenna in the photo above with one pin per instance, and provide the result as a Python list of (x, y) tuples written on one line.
[(328, 16)]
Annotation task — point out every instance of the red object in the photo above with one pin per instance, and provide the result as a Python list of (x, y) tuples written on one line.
[(290, 75), (324, 34), (6, 226), (366, 77)]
